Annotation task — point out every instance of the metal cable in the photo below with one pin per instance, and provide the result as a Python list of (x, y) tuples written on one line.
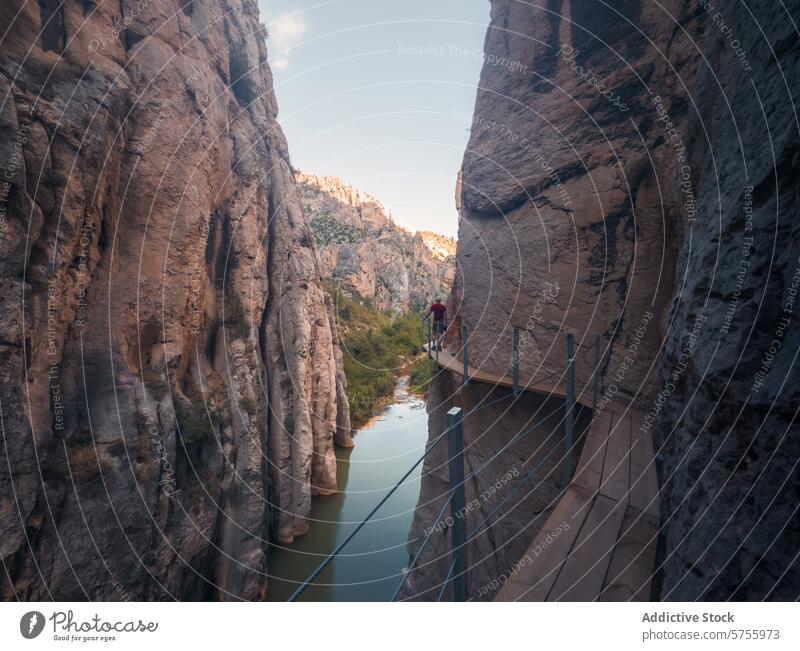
[(424, 544), (296, 594), (472, 533), (546, 377), (412, 566), (446, 580)]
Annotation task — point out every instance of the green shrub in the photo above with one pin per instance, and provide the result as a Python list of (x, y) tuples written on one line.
[(376, 348), (195, 424), (422, 372), (327, 230)]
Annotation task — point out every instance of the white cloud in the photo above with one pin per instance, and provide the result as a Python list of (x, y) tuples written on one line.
[(285, 31)]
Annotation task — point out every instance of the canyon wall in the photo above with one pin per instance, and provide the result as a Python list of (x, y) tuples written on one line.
[(365, 253), (727, 422), (171, 387), (620, 155)]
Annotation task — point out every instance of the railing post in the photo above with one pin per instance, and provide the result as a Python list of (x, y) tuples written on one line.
[(421, 333), (464, 338), (569, 412), (429, 338), (455, 450), (515, 361), (438, 346), (596, 387)]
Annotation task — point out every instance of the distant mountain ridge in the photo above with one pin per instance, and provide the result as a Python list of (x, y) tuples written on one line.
[(440, 245), (366, 253)]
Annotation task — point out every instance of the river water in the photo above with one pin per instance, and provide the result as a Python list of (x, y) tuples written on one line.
[(369, 568)]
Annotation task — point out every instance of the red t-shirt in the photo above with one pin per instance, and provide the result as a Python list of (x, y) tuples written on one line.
[(438, 311)]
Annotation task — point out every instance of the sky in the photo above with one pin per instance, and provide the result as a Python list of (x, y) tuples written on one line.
[(380, 93)]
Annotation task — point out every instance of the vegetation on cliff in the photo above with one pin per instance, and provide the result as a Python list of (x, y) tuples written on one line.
[(378, 347), (330, 231)]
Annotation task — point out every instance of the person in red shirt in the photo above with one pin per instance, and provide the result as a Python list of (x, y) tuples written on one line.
[(439, 312)]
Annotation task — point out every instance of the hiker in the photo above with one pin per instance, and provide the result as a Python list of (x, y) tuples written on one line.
[(439, 312)]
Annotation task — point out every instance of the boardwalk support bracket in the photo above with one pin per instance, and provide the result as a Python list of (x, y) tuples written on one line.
[(466, 353), (596, 387)]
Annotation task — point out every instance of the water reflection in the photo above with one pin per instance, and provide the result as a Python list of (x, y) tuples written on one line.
[(369, 569)]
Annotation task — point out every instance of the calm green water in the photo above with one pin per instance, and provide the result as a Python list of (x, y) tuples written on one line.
[(370, 566)]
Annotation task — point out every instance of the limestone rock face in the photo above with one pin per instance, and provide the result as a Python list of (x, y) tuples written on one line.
[(614, 155), (171, 388), (558, 188), (728, 425), (363, 251), (441, 246)]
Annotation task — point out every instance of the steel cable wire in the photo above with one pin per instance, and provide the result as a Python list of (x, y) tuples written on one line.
[(296, 594)]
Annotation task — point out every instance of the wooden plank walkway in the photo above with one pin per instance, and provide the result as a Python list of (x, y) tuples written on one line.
[(599, 543), (451, 363), (611, 509)]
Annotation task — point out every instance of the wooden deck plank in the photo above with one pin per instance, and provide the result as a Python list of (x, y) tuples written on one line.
[(644, 479), (609, 551), (456, 365), (535, 579), (589, 472), (584, 571), (617, 467), (631, 569)]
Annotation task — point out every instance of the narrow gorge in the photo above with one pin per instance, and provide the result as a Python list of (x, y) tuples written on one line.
[(218, 359), (171, 362)]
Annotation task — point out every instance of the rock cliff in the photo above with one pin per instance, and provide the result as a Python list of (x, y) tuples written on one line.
[(630, 174), (366, 253), (171, 388), (727, 421)]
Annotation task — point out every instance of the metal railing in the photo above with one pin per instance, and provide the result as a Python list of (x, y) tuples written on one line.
[(458, 501), (456, 498), (457, 573)]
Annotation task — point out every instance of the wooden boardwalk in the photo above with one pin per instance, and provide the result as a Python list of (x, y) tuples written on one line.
[(599, 543), (606, 551), (451, 363)]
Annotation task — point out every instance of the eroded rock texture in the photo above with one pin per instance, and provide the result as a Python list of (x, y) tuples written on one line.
[(729, 428), (170, 384), (363, 251), (603, 192)]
